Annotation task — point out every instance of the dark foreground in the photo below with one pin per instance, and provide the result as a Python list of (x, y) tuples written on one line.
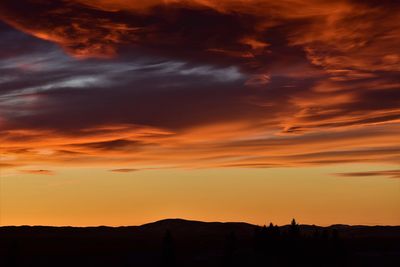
[(189, 243)]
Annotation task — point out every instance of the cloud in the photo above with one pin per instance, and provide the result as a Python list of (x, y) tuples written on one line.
[(172, 83), (7, 165), (125, 170), (386, 173), (39, 172)]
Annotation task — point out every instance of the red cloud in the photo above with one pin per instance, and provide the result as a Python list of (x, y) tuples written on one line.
[(229, 83)]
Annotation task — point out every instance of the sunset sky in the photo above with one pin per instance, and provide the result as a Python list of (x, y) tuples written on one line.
[(128, 111)]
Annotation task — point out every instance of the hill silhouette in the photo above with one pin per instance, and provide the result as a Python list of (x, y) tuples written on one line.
[(178, 242)]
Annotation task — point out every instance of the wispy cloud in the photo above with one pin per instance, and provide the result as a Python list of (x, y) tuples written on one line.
[(117, 83), (125, 170), (386, 173), (39, 172)]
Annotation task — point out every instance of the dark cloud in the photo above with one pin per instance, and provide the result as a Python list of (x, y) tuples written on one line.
[(14, 44), (384, 173), (202, 83), (110, 145)]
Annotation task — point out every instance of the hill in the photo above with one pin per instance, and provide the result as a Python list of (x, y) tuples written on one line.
[(195, 243)]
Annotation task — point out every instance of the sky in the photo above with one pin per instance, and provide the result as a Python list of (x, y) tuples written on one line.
[(125, 112)]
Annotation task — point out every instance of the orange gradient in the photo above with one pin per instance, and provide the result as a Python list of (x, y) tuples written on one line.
[(87, 196)]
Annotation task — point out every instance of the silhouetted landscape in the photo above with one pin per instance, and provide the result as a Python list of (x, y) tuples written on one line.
[(176, 242)]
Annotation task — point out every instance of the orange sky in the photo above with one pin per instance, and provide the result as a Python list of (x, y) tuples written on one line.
[(89, 196), (98, 94)]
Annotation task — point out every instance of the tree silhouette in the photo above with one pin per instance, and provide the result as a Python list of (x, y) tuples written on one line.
[(294, 256), (168, 253), (13, 254), (294, 229), (338, 251), (230, 248), (257, 240)]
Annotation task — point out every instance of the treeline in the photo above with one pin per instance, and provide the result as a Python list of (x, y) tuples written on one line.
[(275, 246)]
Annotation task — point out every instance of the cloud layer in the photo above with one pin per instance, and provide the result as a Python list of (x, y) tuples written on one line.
[(388, 173), (139, 84)]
